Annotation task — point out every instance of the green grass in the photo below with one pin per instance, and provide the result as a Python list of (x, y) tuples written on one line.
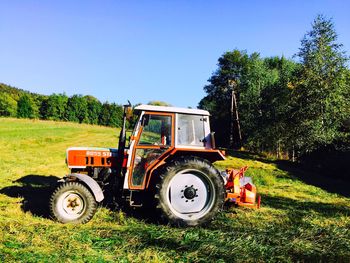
[(297, 221)]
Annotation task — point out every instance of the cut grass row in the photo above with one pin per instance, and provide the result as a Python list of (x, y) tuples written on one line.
[(297, 221)]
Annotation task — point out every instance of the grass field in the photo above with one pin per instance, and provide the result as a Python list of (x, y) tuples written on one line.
[(297, 221)]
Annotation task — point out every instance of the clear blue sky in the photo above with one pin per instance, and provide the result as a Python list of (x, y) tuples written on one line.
[(146, 50)]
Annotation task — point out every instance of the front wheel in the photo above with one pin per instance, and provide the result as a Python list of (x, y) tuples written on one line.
[(72, 202), (190, 192)]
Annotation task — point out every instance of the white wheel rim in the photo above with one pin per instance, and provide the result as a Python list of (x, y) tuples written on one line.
[(71, 205), (190, 194)]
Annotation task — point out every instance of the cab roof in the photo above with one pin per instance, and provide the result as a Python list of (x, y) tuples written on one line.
[(144, 107)]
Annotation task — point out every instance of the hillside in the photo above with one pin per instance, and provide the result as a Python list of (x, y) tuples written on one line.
[(16, 93), (297, 221)]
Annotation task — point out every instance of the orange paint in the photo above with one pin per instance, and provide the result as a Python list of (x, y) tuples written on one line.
[(241, 195), (91, 158), (159, 160)]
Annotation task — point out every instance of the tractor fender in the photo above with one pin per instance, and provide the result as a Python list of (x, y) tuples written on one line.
[(91, 183)]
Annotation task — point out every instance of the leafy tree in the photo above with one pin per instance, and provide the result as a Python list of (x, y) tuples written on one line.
[(251, 76), (77, 109), (94, 107), (116, 115), (231, 66), (43, 109), (104, 114), (38, 100), (111, 115), (321, 94), (15, 93), (8, 106), (257, 77), (26, 108), (274, 128), (12, 95), (263, 99), (54, 108)]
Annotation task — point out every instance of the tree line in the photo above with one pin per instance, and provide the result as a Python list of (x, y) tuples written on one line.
[(284, 106), (58, 107), (20, 103)]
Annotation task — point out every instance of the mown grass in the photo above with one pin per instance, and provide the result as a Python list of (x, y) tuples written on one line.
[(297, 221)]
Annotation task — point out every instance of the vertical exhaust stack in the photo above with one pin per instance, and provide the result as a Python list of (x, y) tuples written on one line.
[(122, 140)]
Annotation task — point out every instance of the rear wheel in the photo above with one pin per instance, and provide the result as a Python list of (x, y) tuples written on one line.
[(72, 202), (190, 192)]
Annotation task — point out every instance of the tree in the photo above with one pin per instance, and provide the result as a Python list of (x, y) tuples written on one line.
[(321, 94), (104, 114), (26, 108), (54, 108), (111, 115), (251, 76), (77, 110), (116, 115), (231, 66), (257, 77), (38, 101), (274, 127), (94, 107), (262, 96), (8, 106)]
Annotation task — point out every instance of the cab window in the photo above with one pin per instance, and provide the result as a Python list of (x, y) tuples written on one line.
[(190, 131), (156, 130)]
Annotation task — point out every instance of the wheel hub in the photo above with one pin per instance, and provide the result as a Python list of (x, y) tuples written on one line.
[(73, 204), (190, 192)]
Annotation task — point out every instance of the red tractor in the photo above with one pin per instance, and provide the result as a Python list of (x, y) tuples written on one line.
[(168, 162)]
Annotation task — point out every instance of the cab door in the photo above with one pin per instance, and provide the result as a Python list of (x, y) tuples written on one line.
[(155, 138)]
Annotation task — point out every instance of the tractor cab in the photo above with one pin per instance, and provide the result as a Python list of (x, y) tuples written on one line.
[(163, 133)]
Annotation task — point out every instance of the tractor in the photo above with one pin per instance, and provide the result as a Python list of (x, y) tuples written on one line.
[(168, 163)]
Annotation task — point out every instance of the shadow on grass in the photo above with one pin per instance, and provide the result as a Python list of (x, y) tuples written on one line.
[(307, 175), (316, 178), (297, 209), (35, 191)]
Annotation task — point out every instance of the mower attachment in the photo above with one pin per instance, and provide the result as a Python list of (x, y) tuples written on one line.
[(240, 190)]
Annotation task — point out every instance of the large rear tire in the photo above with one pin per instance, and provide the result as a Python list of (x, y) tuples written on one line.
[(190, 192), (72, 202)]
